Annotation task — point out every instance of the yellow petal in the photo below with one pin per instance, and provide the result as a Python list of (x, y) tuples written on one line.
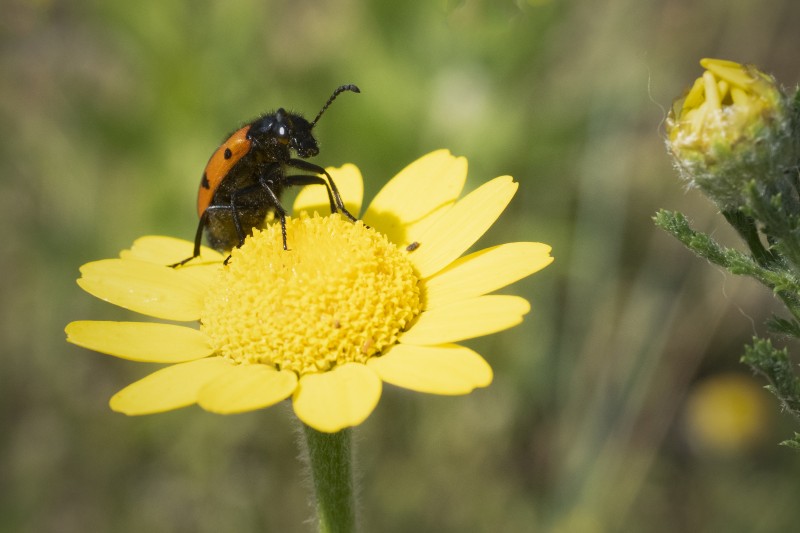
[(466, 319), (247, 387), (163, 250), (343, 397), (696, 95), (447, 369), (143, 287), (170, 388), (141, 341), (414, 198), (739, 96), (729, 71), (713, 100), (485, 271), (203, 271), (351, 188), (461, 225)]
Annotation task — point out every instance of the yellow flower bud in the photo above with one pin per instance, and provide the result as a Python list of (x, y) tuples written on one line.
[(733, 126)]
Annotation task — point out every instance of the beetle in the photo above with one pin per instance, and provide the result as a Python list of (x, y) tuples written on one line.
[(244, 178)]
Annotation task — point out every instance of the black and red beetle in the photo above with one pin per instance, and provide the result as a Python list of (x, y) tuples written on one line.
[(245, 177)]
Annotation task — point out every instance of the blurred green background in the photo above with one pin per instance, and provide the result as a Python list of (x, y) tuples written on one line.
[(619, 405)]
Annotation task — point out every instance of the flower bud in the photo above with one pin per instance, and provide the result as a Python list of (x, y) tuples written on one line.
[(733, 128)]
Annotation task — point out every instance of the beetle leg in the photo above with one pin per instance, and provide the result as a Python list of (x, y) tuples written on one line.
[(197, 240), (333, 191), (301, 180), (276, 204)]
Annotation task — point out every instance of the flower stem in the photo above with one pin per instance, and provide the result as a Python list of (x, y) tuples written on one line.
[(330, 459)]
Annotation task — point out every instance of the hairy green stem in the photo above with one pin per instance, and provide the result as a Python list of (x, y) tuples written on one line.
[(330, 461)]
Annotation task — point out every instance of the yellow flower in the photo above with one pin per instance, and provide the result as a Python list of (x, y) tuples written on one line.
[(733, 126), (724, 103), (348, 307), (727, 414)]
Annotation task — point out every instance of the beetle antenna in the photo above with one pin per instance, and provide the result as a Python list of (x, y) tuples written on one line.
[(336, 93)]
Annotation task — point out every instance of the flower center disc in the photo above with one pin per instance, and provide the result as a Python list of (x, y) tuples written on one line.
[(341, 293)]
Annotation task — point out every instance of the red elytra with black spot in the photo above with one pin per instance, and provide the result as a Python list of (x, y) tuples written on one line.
[(220, 164)]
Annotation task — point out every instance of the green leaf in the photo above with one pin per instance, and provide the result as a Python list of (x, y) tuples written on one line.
[(783, 326), (793, 442), (775, 366)]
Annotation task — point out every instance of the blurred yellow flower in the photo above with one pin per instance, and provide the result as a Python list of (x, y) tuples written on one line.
[(348, 307), (731, 127), (726, 414)]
